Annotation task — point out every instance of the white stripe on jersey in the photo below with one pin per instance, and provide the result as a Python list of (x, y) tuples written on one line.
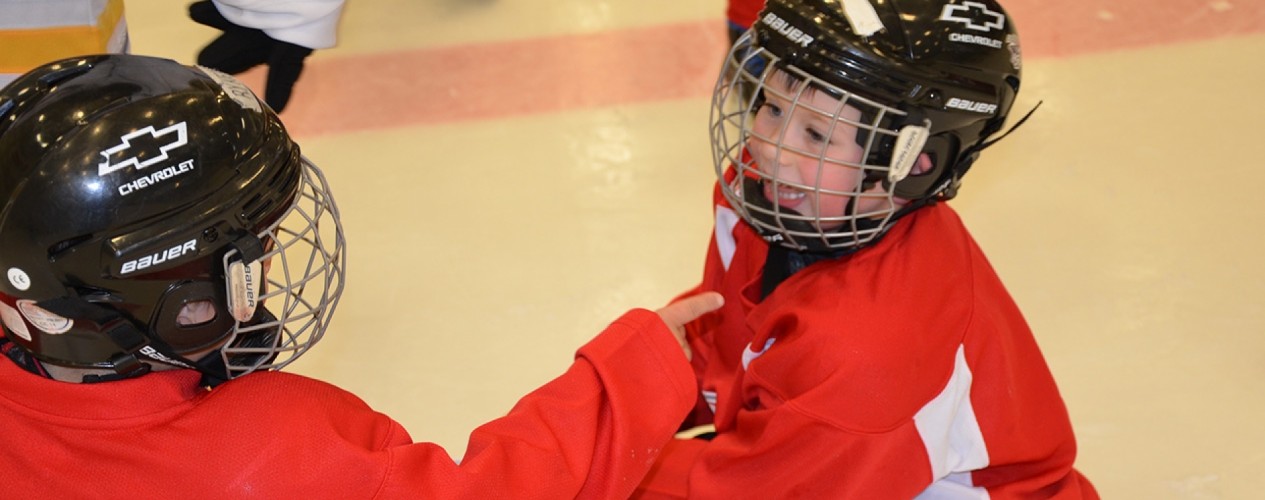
[(956, 486), (952, 437), (749, 354), (708, 396), (726, 219)]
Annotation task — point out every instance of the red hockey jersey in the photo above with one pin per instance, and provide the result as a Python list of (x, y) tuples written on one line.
[(902, 371), (591, 433)]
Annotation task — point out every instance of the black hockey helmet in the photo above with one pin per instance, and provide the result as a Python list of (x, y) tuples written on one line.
[(933, 76), (150, 211)]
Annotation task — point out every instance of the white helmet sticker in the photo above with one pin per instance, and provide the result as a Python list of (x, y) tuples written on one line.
[(19, 279), (974, 16), (979, 20), (1012, 44), (909, 144), (235, 89), (143, 148), (43, 319), (243, 289), (13, 321), (795, 35), (862, 16)]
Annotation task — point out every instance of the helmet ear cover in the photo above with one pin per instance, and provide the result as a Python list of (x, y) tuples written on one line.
[(900, 152), (121, 331), (191, 338), (942, 149)]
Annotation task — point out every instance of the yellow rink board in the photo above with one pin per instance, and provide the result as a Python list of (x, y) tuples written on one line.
[(31, 34)]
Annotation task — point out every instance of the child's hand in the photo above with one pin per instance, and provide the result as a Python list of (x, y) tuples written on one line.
[(683, 311)]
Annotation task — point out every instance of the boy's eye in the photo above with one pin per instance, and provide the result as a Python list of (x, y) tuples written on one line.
[(773, 109), (815, 135)]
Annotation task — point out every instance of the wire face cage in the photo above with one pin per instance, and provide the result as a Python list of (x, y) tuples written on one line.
[(812, 163), (303, 275)]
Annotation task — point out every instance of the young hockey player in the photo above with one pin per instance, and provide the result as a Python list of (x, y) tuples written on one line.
[(167, 248), (866, 348)]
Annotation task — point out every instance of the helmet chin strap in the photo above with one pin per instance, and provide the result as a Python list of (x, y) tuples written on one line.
[(215, 369), (1011, 129), (972, 152)]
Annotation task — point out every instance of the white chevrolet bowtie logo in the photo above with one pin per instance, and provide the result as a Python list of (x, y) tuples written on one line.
[(165, 140), (963, 14)]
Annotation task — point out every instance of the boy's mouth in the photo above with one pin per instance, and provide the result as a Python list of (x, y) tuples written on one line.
[(785, 196)]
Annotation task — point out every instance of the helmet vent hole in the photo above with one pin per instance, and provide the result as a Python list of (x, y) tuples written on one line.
[(63, 74), (254, 209), (196, 313), (60, 247), (268, 208)]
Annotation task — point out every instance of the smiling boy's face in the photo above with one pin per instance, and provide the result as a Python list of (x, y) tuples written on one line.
[(805, 143)]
